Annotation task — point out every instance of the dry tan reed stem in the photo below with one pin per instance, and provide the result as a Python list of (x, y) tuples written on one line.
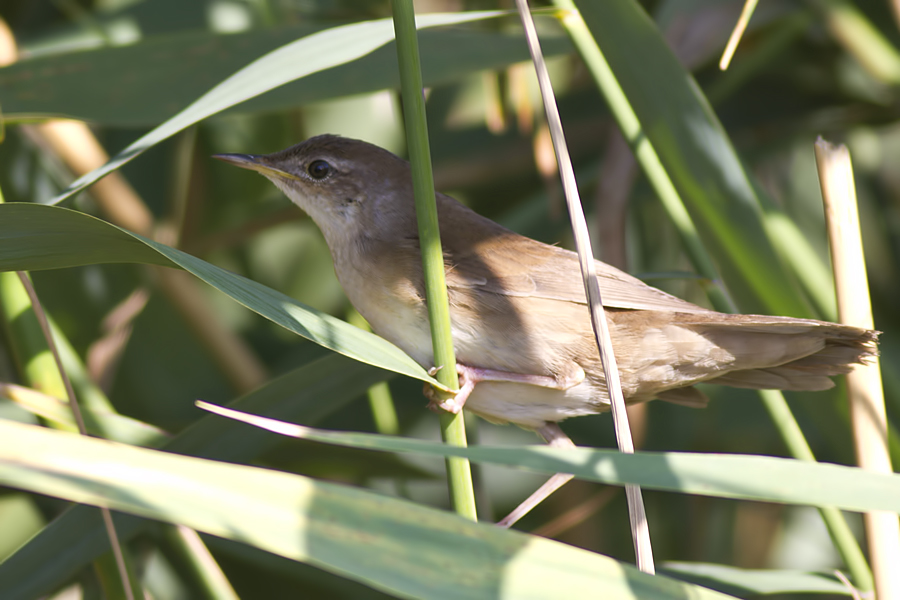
[(867, 410), (737, 33), (79, 149), (640, 529)]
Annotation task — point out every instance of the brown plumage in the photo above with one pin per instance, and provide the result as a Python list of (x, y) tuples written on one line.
[(518, 306)]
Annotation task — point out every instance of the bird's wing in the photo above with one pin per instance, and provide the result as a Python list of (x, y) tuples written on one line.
[(486, 256), (514, 265)]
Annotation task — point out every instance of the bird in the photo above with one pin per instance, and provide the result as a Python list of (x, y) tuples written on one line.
[(519, 317)]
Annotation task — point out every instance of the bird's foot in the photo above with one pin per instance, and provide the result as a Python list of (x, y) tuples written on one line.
[(468, 377)]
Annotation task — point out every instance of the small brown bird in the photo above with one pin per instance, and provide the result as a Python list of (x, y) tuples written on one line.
[(521, 328)]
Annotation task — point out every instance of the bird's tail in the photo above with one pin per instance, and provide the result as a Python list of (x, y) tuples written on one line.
[(789, 354)]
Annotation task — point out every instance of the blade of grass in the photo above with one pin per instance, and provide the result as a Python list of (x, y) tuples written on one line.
[(97, 415), (396, 546), (192, 552), (76, 537), (86, 85), (748, 477), (28, 348), (298, 59), (100, 423), (838, 529), (381, 403), (642, 147), (756, 582), (453, 426), (861, 39), (653, 166), (682, 149), (34, 236)]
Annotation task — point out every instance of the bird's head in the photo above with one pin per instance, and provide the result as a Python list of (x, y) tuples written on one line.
[(351, 189)]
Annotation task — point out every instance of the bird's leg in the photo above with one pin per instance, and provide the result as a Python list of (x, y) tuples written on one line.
[(550, 432), (470, 376), (555, 438)]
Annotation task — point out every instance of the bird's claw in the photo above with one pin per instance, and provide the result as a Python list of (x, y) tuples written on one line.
[(452, 404), (438, 404)]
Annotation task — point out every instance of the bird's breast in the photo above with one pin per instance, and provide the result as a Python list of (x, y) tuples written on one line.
[(393, 307)]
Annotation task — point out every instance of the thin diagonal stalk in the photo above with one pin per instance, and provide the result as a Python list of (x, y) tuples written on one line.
[(208, 574), (40, 317), (49, 363), (639, 528), (27, 346), (840, 532), (82, 429), (646, 155), (188, 547), (743, 21), (453, 427)]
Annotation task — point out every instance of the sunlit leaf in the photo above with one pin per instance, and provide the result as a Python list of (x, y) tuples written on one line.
[(746, 477), (177, 69), (75, 538), (390, 544), (752, 582), (298, 59), (697, 155), (34, 237)]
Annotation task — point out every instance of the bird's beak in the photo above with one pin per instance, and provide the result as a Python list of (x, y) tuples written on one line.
[(255, 162)]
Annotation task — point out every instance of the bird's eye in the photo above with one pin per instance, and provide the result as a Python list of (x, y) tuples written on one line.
[(318, 169)]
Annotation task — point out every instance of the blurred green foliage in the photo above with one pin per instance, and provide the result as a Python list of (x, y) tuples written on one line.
[(126, 66)]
